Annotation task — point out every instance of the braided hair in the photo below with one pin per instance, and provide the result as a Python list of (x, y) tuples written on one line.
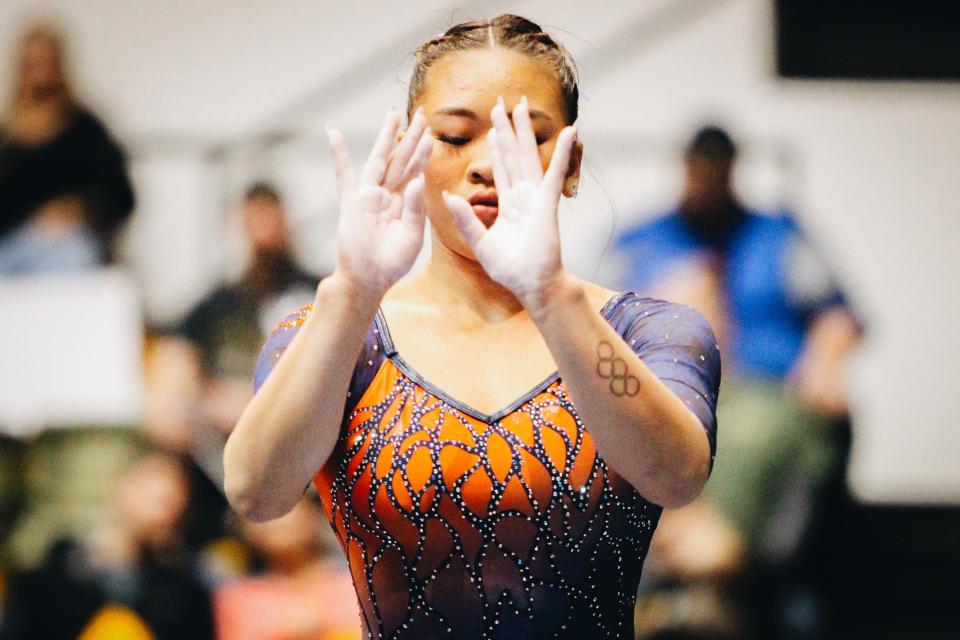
[(505, 31)]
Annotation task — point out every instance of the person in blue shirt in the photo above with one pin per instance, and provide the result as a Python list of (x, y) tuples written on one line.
[(771, 283), (784, 330)]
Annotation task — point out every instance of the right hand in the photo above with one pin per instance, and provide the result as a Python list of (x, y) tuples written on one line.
[(380, 231)]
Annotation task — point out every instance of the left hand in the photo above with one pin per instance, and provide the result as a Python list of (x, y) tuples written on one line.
[(521, 250)]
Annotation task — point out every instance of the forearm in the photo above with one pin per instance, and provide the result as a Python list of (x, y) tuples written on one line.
[(291, 426), (642, 430), (819, 373)]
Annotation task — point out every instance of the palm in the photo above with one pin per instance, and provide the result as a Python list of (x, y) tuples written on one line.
[(521, 250), (380, 230), (374, 243)]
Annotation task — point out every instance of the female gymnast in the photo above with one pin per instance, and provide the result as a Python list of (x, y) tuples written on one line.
[(492, 439)]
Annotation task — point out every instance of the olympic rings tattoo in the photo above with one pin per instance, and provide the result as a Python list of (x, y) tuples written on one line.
[(622, 382)]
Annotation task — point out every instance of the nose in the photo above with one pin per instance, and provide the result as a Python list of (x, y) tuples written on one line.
[(480, 170)]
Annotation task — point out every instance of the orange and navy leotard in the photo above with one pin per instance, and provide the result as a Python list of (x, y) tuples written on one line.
[(459, 524)]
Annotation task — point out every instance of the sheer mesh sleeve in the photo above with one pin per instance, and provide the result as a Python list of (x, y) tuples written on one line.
[(280, 338), (678, 345), (368, 362)]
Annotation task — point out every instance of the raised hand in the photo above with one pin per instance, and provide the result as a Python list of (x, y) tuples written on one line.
[(521, 250), (380, 230)]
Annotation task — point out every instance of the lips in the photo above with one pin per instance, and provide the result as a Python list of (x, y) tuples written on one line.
[(488, 198), (485, 206)]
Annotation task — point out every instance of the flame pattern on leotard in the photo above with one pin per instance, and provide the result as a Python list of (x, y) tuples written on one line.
[(458, 524)]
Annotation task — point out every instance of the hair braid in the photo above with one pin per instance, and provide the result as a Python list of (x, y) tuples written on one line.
[(506, 31)]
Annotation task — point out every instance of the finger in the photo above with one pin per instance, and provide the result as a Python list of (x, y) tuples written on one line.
[(376, 165), (465, 219), (341, 161), (394, 206), (501, 178), (529, 156), (413, 205), (418, 162), (560, 162), (400, 158), (507, 141)]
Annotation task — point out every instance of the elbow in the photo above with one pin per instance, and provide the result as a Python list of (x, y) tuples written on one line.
[(243, 499), (679, 496), (246, 495), (249, 503), (245, 505), (684, 481), (683, 486)]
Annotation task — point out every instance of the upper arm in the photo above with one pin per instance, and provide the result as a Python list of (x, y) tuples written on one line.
[(278, 341), (368, 362), (677, 344)]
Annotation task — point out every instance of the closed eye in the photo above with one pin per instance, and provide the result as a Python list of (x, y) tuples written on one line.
[(457, 141)]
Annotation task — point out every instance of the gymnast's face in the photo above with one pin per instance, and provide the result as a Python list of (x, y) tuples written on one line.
[(460, 89)]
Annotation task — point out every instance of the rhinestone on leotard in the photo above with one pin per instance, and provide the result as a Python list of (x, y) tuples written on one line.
[(455, 527)]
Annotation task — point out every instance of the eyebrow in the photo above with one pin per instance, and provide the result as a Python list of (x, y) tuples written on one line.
[(469, 113)]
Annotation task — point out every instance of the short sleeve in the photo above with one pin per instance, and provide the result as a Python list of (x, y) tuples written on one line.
[(371, 356), (808, 280), (679, 347), (278, 341)]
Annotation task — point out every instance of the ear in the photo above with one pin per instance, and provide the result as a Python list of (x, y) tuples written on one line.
[(572, 180)]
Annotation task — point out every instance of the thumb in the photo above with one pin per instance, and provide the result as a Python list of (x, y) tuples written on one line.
[(465, 219)]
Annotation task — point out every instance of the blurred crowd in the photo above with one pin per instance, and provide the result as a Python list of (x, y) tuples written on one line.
[(123, 532)]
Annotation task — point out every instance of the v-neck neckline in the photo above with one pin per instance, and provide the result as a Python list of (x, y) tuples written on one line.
[(390, 351)]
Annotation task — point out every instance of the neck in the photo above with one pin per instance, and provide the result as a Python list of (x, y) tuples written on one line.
[(713, 223), (457, 282)]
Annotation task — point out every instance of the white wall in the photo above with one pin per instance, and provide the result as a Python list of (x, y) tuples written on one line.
[(870, 168)]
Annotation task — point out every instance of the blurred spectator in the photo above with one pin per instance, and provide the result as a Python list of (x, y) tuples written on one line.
[(784, 330), (64, 190), (301, 571), (202, 367), (143, 559), (63, 584), (141, 581), (198, 376)]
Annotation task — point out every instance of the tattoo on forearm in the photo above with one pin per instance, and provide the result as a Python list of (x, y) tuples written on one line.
[(614, 369)]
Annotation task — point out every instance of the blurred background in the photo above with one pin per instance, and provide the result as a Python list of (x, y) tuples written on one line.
[(166, 195)]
